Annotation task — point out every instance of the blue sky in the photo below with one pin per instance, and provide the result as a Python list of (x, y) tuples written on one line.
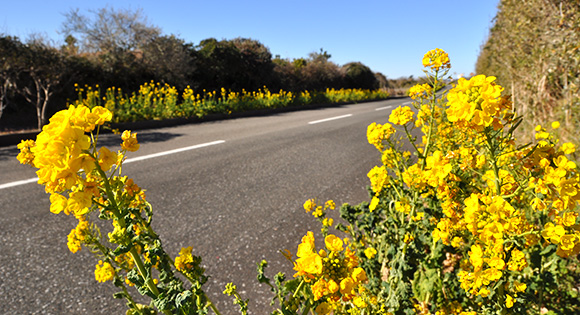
[(389, 36)]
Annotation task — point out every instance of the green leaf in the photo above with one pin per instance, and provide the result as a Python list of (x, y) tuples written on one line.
[(182, 298), (121, 249), (261, 276), (547, 250), (119, 295), (161, 302), (135, 277)]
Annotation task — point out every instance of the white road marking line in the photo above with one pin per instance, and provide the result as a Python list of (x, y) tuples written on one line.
[(406, 103), (154, 155), (135, 159), (383, 108), (329, 119), (19, 182)]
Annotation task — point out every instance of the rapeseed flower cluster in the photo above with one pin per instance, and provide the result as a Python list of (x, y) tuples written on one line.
[(60, 150), (185, 261), (436, 59), (161, 101), (420, 91), (477, 103), (471, 194), (82, 178), (466, 222), (104, 272), (333, 274), (401, 115), (377, 134)]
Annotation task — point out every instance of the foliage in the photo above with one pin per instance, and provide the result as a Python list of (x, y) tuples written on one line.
[(34, 72), (169, 59), (120, 48), (467, 222), (109, 30), (10, 69), (85, 181), (237, 64), (359, 76), (401, 86), (162, 101), (533, 50)]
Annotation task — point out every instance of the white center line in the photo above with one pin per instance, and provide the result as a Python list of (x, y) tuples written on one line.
[(19, 182), (154, 155), (135, 159), (383, 108), (406, 103), (329, 119)]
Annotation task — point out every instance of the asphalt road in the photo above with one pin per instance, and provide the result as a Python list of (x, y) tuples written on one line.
[(232, 189)]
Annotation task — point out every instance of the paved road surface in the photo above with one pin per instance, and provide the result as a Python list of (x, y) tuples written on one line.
[(232, 189)]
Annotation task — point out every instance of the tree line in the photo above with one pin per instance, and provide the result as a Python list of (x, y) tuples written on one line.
[(120, 48), (533, 49)]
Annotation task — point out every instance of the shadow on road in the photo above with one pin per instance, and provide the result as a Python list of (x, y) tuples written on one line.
[(8, 153), (108, 140), (112, 140)]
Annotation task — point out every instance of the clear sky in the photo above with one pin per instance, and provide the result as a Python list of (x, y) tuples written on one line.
[(389, 36)]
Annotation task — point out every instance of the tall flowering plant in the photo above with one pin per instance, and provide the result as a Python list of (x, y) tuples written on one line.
[(85, 181), (469, 221), (462, 218), (330, 280)]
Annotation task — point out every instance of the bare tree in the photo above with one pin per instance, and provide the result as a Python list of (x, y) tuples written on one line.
[(11, 67), (45, 68), (108, 29)]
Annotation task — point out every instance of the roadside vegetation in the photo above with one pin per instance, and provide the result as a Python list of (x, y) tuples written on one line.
[(480, 216), (155, 101), (533, 49), (469, 221), (120, 48)]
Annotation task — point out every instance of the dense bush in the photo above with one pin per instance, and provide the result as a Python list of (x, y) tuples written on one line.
[(532, 48)]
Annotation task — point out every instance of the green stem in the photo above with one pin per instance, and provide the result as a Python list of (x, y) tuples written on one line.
[(541, 291), (211, 305), (425, 153), (134, 254), (298, 288), (128, 297), (431, 119), (410, 137), (493, 157)]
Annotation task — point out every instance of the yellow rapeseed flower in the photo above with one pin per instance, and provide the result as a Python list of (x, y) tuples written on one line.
[(420, 90), (26, 156), (129, 141), (77, 235), (333, 243), (477, 101), (401, 115), (370, 252), (509, 301), (379, 178), (104, 272), (436, 59), (184, 262), (309, 205), (377, 133)]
